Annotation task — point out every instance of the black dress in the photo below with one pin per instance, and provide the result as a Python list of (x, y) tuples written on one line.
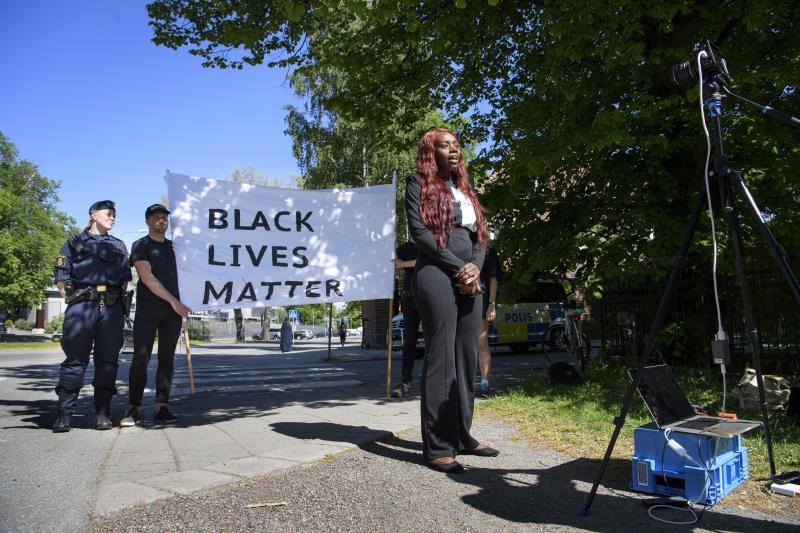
[(451, 323)]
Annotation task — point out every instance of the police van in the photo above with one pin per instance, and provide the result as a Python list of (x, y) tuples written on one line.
[(529, 319)]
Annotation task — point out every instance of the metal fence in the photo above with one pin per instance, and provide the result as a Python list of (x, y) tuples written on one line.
[(220, 329), (625, 315)]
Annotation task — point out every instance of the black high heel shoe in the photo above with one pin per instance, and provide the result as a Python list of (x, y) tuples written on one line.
[(448, 468), (486, 451)]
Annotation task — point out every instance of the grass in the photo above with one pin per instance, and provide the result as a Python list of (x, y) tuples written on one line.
[(28, 346), (578, 421)]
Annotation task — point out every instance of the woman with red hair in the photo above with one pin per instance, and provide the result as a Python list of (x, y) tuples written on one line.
[(446, 222)]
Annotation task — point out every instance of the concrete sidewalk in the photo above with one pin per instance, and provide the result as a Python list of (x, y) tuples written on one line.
[(218, 441)]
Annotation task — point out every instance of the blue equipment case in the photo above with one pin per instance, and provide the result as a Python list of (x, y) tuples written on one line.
[(657, 469)]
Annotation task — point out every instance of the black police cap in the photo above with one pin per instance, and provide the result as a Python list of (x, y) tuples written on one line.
[(155, 208), (102, 204)]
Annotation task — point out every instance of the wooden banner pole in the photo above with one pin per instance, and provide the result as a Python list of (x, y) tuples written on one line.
[(188, 354), (389, 354)]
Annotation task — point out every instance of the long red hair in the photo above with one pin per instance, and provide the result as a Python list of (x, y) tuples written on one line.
[(438, 216)]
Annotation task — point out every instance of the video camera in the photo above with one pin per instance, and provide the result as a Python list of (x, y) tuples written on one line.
[(685, 74)]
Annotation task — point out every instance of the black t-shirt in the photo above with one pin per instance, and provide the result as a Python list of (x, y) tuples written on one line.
[(407, 252), (161, 257), (491, 267)]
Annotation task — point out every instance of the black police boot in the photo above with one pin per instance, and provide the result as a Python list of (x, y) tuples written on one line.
[(63, 423), (102, 422)]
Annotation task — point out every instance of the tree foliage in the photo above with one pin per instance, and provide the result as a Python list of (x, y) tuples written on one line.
[(352, 310), (594, 156), (31, 230), (334, 150)]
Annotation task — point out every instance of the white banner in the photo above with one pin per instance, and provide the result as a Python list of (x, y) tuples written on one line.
[(240, 245)]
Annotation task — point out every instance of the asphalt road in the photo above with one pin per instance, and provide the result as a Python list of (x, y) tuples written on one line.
[(46, 486)]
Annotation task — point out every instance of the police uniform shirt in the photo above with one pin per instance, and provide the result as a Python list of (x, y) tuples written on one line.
[(93, 260), (161, 257)]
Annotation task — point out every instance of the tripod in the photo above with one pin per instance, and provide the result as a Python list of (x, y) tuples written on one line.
[(728, 180)]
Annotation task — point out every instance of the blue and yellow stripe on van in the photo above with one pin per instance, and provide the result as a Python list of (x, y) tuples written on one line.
[(523, 322)]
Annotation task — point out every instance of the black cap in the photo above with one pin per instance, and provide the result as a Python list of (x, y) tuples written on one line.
[(102, 204), (155, 208)]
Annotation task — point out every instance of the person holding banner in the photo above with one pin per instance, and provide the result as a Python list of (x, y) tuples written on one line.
[(91, 273), (446, 222), (406, 259), (158, 311)]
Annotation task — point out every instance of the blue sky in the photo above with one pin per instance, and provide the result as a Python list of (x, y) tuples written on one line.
[(88, 98)]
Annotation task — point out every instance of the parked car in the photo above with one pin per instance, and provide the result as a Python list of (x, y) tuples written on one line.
[(303, 334), (398, 333), (274, 335)]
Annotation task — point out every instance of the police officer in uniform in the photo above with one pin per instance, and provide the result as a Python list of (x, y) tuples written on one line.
[(92, 273)]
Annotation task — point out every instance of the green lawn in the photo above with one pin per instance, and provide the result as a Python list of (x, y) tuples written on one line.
[(28, 346), (578, 420)]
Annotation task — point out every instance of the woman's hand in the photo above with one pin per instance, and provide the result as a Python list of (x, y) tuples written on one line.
[(468, 274), (472, 289)]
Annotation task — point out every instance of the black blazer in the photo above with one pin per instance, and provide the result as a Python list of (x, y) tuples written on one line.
[(424, 239)]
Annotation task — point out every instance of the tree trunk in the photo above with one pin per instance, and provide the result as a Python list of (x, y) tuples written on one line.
[(265, 324), (237, 316)]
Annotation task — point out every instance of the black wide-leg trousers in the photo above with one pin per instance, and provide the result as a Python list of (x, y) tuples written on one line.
[(451, 324)]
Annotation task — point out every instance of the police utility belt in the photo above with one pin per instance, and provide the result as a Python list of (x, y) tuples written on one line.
[(93, 293)]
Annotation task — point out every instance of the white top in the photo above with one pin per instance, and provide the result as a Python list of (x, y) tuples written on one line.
[(463, 209)]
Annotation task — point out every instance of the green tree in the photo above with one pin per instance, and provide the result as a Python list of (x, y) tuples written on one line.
[(595, 156), (334, 150), (31, 230), (352, 310), (312, 313)]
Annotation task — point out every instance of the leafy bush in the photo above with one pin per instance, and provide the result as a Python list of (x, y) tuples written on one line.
[(55, 324), (22, 324), (8, 322)]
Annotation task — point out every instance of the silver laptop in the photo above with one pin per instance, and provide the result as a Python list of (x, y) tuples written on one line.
[(670, 408)]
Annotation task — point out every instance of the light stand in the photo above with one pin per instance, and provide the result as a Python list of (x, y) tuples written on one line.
[(728, 179)]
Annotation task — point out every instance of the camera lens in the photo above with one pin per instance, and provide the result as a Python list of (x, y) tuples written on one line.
[(683, 74)]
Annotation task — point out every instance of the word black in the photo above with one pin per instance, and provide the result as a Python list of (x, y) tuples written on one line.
[(282, 221)]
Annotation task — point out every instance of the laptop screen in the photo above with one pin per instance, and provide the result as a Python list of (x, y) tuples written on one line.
[(663, 395)]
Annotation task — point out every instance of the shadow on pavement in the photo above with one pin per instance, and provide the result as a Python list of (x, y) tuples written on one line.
[(552, 495), (362, 436)]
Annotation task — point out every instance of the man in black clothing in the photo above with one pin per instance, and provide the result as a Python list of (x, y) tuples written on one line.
[(407, 259), (158, 310)]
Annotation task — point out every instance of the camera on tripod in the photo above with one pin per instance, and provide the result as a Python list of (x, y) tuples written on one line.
[(686, 74)]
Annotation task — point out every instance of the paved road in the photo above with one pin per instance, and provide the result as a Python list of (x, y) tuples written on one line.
[(255, 411)]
